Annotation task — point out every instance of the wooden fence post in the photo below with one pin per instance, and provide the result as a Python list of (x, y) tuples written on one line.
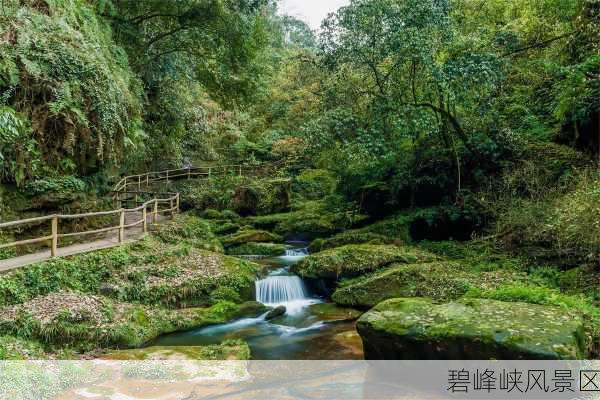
[(139, 182), (171, 208), (189, 173), (155, 211), (177, 203), (54, 246), (125, 185), (209, 170), (145, 216), (122, 225), (147, 179)]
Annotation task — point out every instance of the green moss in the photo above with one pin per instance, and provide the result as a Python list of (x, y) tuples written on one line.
[(212, 214), (260, 249), (354, 260), (109, 324), (536, 294), (441, 281), (311, 219), (415, 328), (230, 350), (225, 228), (247, 236), (354, 236)]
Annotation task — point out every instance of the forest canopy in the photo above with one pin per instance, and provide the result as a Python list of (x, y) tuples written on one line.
[(416, 102)]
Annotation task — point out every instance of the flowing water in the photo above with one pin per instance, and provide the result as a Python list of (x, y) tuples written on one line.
[(302, 333)]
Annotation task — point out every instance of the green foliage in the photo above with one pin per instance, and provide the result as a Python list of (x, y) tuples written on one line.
[(314, 184), (66, 76), (65, 186), (189, 229), (19, 155)]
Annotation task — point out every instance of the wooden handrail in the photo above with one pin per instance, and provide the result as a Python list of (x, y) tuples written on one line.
[(121, 188)]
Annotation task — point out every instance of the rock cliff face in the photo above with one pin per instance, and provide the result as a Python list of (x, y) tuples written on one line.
[(416, 328)]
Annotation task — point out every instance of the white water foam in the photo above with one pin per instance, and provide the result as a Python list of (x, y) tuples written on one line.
[(280, 290)]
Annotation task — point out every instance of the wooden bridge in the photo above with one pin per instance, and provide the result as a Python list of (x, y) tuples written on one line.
[(133, 223)]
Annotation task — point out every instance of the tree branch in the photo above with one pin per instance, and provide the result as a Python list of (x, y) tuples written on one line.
[(539, 44)]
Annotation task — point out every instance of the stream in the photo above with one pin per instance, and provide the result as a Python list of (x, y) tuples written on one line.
[(310, 329)]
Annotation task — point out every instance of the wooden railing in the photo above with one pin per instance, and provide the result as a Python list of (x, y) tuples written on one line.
[(55, 236), (175, 174), (161, 203)]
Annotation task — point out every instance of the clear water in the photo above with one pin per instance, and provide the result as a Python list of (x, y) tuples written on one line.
[(299, 334)]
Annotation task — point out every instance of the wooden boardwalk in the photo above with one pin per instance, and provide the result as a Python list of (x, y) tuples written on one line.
[(102, 241), (134, 223)]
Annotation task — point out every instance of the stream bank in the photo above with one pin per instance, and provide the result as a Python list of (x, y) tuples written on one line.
[(310, 328)]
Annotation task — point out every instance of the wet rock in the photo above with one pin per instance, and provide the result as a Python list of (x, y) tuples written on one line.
[(276, 312), (354, 260), (332, 313), (252, 309), (351, 343), (416, 328)]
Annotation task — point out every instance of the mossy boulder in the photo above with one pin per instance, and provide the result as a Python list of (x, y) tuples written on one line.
[(225, 228), (258, 249), (231, 350), (311, 219), (275, 312), (354, 260), (250, 236), (353, 236), (416, 328), (212, 214), (441, 281)]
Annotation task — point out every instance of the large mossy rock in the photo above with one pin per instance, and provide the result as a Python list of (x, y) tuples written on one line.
[(354, 260), (250, 236), (311, 219), (258, 249), (353, 236), (442, 281), (416, 328)]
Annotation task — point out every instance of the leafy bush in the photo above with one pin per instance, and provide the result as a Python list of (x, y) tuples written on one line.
[(70, 82), (315, 184), (62, 186)]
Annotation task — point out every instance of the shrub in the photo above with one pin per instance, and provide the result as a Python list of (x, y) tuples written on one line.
[(314, 184)]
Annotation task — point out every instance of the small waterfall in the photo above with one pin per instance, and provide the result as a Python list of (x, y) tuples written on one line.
[(280, 289), (296, 252), (283, 290)]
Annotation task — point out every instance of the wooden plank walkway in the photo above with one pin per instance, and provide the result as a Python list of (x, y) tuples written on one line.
[(102, 241)]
